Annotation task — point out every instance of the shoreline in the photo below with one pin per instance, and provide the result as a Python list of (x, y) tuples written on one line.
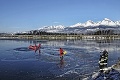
[(60, 37)]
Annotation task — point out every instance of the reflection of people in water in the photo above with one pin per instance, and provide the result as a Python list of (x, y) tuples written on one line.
[(103, 60), (37, 50), (61, 64)]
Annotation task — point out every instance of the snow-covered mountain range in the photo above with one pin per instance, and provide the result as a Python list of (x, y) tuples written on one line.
[(105, 22), (84, 27)]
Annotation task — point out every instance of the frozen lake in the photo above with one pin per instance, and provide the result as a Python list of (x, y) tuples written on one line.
[(17, 62)]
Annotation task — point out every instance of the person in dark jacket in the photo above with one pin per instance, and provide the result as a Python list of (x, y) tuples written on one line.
[(103, 60)]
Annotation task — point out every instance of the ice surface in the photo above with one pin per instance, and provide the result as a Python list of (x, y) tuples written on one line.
[(80, 62)]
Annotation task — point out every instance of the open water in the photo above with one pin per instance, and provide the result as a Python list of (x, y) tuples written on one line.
[(17, 62)]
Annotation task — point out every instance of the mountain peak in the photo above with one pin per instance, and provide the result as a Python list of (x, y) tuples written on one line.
[(106, 19), (108, 22), (89, 23)]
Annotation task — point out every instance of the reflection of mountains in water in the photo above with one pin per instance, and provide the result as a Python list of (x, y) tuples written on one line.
[(86, 44)]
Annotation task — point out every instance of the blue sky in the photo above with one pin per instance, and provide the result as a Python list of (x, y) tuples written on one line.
[(25, 15)]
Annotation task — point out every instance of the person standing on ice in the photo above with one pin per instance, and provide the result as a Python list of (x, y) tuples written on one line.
[(105, 54), (103, 60), (61, 53)]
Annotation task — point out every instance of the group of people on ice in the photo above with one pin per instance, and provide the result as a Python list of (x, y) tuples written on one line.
[(35, 48), (102, 60)]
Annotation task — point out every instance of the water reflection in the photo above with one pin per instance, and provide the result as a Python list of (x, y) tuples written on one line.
[(61, 63)]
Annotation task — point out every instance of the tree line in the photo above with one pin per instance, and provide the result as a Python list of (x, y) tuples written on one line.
[(99, 32)]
